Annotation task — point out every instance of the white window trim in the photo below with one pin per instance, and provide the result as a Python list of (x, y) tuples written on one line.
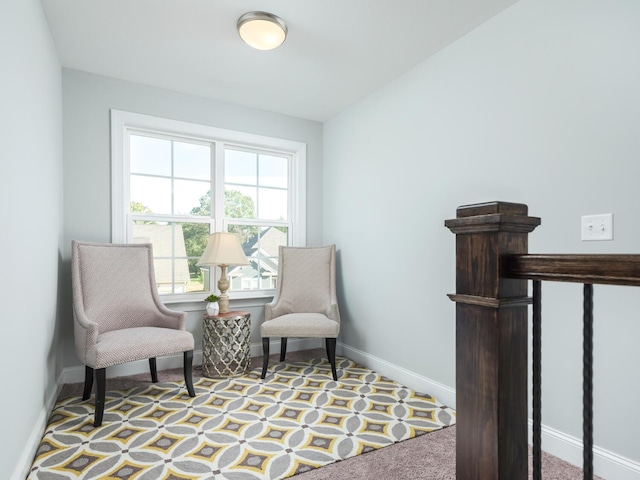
[(122, 122)]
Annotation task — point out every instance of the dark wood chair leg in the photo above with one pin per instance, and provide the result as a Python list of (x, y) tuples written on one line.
[(101, 380), (331, 354), (154, 370), (265, 356), (283, 348), (88, 382), (187, 368)]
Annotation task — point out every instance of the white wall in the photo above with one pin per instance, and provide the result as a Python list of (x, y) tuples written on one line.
[(87, 101), (31, 214), (547, 89), (540, 105)]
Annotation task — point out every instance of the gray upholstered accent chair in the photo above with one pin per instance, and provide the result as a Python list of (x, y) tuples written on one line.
[(305, 303), (118, 316)]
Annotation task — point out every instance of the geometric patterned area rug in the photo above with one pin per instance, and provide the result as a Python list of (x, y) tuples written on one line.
[(241, 428)]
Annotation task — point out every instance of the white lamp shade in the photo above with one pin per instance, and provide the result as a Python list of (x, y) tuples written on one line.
[(262, 30), (223, 249)]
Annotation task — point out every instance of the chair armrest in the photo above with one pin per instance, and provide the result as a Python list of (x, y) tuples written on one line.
[(172, 318), (276, 309), (268, 311), (85, 335), (333, 313), (83, 322)]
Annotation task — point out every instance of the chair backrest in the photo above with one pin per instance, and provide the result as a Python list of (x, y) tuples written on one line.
[(114, 284), (306, 279)]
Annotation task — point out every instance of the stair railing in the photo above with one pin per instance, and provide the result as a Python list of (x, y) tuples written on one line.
[(492, 274), (588, 270)]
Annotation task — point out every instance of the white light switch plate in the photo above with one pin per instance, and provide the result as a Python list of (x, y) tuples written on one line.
[(597, 227)]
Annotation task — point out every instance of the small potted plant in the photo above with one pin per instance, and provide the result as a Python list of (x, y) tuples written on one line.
[(212, 306)]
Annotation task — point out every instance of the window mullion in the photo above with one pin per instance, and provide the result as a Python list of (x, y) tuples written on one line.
[(218, 187), (173, 225)]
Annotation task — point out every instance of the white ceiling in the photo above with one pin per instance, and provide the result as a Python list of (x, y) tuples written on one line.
[(336, 52)]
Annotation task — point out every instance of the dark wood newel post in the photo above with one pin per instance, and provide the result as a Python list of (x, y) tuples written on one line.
[(491, 342)]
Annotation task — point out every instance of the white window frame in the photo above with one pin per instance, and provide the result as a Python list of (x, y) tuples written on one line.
[(124, 123)]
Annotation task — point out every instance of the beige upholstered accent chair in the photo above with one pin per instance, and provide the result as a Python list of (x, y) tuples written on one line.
[(305, 303), (118, 316)]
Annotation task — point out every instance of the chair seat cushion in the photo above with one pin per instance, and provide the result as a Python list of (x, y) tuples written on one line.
[(131, 344), (301, 325)]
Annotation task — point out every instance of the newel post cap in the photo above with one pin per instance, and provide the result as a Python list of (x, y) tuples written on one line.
[(492, 217)]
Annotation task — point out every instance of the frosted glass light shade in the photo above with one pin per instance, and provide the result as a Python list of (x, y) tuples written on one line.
[(262, 30), (223, 248)]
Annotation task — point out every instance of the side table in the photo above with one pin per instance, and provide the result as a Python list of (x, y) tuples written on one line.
[(226, 344)]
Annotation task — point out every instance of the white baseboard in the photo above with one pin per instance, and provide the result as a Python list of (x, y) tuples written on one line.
[(31, 447), (443, 393), (293, 345), (606, 464), (76, 374)]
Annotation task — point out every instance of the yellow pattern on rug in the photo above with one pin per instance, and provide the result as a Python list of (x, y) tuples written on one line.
[(243, 428)]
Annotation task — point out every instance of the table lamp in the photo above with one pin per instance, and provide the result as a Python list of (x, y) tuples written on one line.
[(223, 249)]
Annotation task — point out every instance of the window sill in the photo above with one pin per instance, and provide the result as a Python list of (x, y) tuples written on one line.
[(237, 301)]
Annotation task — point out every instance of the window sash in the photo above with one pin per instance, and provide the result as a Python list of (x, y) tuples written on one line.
[(125, 124)]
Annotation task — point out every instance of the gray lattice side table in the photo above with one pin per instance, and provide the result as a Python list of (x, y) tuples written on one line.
[(226, 344)]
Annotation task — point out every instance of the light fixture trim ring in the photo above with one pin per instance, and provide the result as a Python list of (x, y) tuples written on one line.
[(258, 15)]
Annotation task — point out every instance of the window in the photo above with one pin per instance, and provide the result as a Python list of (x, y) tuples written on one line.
[(175, 182)]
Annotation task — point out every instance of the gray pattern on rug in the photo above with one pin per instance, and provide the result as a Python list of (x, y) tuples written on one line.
[(243, 428)]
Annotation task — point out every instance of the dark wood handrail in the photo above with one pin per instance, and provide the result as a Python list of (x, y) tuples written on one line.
[(594, 269)]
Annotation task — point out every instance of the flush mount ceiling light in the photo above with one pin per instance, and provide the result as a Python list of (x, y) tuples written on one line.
[(262, 30)]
